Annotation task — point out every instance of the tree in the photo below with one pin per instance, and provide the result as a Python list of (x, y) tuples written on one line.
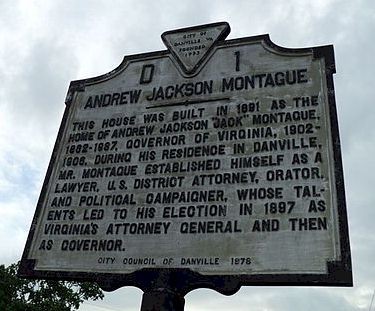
[(40, 295)]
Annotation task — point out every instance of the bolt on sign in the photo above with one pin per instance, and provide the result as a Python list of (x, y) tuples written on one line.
[(215, 162)]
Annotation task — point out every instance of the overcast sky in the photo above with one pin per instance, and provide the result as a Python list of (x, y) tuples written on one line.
[(46, 44)]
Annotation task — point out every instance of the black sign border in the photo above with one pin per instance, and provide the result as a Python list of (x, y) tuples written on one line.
[(339, 273)]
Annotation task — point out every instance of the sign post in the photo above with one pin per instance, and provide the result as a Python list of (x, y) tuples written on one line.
[(215, 163)]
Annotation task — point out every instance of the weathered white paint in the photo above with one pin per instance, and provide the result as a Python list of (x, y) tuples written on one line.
[(282, 252)]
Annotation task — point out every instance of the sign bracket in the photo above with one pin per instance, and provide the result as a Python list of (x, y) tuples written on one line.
[(162, 299)]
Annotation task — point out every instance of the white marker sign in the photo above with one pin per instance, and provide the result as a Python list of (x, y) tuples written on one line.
[(221, 157)]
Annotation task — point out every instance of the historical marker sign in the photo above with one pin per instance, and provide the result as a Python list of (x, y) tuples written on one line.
[(217, 160)]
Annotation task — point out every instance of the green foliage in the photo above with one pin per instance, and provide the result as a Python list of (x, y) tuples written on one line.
[(18, 294)]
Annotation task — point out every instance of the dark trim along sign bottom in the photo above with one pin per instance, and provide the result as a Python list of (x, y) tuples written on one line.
[(215, 163)]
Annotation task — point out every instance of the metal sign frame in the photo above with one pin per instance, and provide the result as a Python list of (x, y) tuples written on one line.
[(181, 281)]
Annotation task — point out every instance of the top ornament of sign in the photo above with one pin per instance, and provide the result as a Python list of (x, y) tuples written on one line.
[(191, 46)]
